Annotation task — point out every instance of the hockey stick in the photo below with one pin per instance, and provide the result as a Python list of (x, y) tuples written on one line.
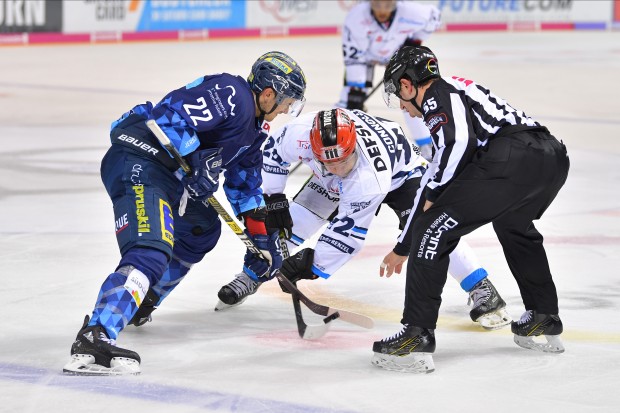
[(306, 331), (374, 89), (354, 318)]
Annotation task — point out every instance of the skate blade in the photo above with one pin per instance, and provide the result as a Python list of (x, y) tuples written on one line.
[(223, 306), (84, 365), (494, 320), (413, 363), (553, 344)]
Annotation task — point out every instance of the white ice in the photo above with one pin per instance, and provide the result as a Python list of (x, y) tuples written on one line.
[(57, 245)]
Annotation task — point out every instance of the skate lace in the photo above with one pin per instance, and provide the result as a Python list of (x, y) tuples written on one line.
[(397, 335), (479, 295), (105, 338), (242, 285), (526, 317)]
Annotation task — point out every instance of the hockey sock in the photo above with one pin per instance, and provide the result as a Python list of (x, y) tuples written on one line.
[(118, 300), (176, 271), (474, 278)]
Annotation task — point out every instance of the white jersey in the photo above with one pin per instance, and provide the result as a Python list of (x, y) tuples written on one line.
[(385, 161), (366, 42)]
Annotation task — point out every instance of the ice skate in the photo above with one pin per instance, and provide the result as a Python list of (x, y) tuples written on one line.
[(236, 291), (93, 353), (409, 351), (533, 325), (489, 309)]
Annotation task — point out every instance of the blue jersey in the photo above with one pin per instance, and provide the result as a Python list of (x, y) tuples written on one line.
[(216, 111)]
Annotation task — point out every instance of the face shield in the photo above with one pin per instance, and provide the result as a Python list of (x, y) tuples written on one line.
[(390, 95), (341, 168), (293, 106)]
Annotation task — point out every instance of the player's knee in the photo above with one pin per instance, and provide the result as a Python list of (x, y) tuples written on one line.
[(151, 262)]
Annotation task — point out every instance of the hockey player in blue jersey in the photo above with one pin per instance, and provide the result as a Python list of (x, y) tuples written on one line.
[(162, 225)]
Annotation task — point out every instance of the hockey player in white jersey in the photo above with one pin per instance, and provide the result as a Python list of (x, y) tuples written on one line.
[(359, 162), (372, 32)]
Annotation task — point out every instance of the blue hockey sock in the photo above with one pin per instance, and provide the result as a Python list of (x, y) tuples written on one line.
[(424, 141), (118, 300), (474, 278), (173, 275)]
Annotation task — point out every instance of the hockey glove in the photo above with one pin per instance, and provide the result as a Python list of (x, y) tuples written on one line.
[(278, 216), (356, 98), (202, 182), (298, 267), (260, 269), (412, 42)]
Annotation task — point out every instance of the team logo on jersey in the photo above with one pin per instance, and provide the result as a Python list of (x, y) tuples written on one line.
[(434, 122), (229, 101)]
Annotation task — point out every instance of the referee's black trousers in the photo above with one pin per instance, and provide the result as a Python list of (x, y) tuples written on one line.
[(510, 182)]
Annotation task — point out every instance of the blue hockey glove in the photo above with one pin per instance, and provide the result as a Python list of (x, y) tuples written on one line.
[(263, 269), (202, 182)]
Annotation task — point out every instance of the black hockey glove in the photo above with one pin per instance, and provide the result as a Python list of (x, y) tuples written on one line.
[(298, 267), (412, 42), (356, 98), (278, 216)]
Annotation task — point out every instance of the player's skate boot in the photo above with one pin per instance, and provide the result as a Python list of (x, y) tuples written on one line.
[(489, 309), (409, 351), (93, 353), (236, 291), (532, 325), (143, 315)]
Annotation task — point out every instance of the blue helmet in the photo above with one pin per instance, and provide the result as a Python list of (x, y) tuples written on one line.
[(280, 72)]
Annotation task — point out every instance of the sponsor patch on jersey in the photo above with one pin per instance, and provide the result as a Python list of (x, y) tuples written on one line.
[(434, 122), (274, 170), (339, 245), (303, 144), (358, 206), (121, 223), (167, 222), (141, 215)]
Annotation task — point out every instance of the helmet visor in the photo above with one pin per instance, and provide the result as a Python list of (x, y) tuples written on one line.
[(292, 106), (390, 95)]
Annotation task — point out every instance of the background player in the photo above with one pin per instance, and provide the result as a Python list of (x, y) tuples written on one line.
[(372, 32)]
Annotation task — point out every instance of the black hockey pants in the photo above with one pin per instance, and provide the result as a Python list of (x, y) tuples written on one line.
[(510, 182)]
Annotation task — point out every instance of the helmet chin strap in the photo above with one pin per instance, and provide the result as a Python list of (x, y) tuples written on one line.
[(414, 103)]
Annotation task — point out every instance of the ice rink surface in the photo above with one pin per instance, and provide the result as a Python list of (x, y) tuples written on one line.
[(57, 245)]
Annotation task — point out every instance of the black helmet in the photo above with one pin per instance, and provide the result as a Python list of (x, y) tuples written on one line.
[(416, 63), (280, 72)]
